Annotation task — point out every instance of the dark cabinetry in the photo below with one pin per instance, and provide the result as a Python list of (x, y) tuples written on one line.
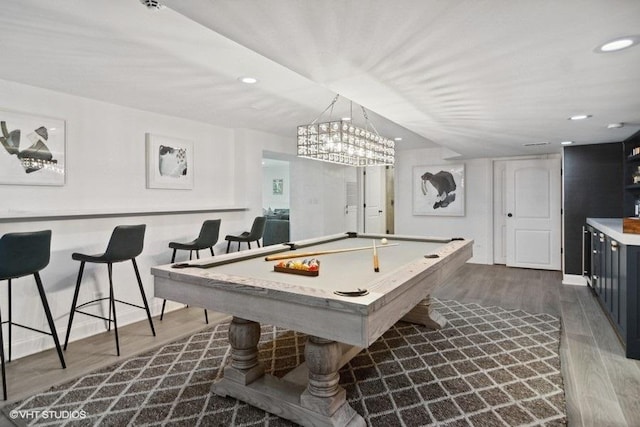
[(611, 269), (632, 175)]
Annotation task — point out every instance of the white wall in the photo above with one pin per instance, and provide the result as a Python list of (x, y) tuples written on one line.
[(317, 198), (477, 222), (105, 155)]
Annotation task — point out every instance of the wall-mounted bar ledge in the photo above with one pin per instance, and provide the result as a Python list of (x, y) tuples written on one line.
[(22, 216)]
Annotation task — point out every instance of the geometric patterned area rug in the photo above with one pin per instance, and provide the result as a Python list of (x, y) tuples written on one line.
[(488, 367)]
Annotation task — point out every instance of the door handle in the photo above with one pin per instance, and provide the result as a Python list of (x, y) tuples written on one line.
[(509, 214), (379, 211)]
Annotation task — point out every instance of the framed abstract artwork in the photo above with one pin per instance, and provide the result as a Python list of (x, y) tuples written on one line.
[(278, 186), (438, 190), (33, 149), (169, 162)]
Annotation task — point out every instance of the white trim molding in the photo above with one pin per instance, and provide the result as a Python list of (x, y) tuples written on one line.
[(574, 279)]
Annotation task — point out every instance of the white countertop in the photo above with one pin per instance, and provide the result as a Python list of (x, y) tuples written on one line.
[(613, 228)]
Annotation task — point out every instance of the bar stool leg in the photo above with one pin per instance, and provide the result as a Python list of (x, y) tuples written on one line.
[(144, 296), (112, 304), (47, 312), (111, 298), (249, 244), (164, 302), (228, 245), (211, 249), (10, 318), (4, 374), (73, 304)]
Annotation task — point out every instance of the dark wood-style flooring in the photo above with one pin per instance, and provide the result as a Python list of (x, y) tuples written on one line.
[(602, 386)]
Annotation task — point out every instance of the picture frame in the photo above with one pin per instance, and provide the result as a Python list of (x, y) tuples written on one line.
[(278, 186), (32, 149), (169, 162), (439, 190)]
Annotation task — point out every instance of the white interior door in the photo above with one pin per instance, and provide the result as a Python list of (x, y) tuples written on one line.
[(351, 205), (374, 199), (533, 213)]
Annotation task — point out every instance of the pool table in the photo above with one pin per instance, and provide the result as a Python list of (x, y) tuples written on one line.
[(343, 309)]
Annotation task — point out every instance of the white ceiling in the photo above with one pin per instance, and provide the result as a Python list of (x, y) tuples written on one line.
[(480, 77)]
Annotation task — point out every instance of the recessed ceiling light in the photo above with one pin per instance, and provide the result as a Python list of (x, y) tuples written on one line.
[(618, 44), (580, 117), (566, 142), (615, 125), (346, 119), (248, 80), (397, 139)]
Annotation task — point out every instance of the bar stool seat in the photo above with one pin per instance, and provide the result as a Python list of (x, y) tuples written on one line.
[(207, 239), (25, 254), (257, 230), (125, 244)]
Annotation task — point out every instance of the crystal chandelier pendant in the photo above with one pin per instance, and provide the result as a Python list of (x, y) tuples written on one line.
[(342, 142)]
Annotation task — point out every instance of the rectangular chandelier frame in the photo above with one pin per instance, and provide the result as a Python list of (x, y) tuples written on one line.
[(342, 142)]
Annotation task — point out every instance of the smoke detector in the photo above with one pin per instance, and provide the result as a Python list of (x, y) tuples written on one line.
[(152, 4)]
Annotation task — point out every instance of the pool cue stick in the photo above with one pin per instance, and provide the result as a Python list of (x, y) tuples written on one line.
[(294, 254), (376, 266)]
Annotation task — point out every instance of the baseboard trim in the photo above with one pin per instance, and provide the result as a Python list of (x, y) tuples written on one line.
[(574, 279)]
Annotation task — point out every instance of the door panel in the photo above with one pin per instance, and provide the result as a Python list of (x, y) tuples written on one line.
[(374, 199), (533, 214), (527, 244)]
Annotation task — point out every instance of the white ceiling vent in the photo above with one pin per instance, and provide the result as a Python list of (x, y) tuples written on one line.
[(152, 4), (533, 144)]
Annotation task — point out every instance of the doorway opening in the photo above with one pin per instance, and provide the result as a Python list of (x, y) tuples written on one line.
[(276, 203)]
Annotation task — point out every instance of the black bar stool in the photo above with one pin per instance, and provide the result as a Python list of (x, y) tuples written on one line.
[(207, 238), (257, 230), (125, 244), (23, 254)]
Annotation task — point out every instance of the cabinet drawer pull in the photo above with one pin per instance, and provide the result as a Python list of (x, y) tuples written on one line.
[(614, 246), (595, 252)]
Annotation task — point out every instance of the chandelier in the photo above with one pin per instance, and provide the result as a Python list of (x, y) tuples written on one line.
[(342, 142)]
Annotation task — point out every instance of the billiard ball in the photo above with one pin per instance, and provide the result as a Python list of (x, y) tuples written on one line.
[(383, 241)]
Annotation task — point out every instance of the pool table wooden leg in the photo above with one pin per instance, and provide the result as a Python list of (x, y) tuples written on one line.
[(321, 402), (424, 314), (243, 337), (323, 394)]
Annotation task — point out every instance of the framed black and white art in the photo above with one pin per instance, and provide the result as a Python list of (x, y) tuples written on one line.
[(169, 162), (438, 190), (33, 149)]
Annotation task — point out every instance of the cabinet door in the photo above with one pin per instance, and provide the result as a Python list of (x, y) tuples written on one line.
[(586, 254), (602, 259), (626, 272), (607, 272), (614, 275), (595, 262)]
